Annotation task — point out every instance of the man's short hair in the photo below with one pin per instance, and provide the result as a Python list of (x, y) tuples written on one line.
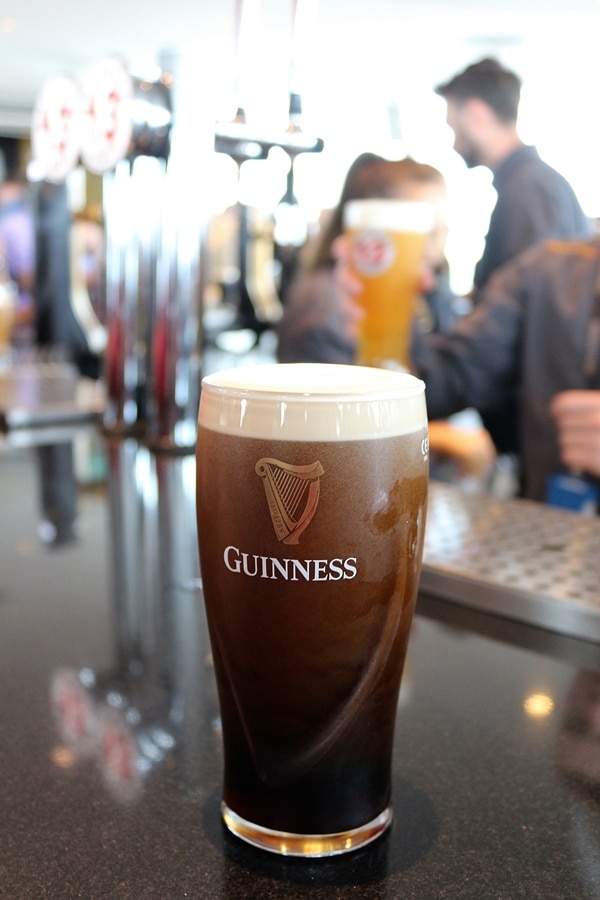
[(489, 81)]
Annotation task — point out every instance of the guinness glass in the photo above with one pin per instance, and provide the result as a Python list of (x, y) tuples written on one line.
[(311, 496)]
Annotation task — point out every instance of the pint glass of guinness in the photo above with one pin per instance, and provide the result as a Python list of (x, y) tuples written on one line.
[(311, 497)]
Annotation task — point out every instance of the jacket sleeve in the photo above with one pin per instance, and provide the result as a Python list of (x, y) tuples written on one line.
[(476, 364), (313, 327)]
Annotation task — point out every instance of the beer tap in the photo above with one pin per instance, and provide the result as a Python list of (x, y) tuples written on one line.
[(290, 230), (259, 304)]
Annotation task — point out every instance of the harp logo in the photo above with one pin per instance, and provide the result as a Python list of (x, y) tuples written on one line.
[(292, 494)]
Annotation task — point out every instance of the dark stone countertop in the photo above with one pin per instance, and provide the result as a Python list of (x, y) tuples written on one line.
[(110, 748)]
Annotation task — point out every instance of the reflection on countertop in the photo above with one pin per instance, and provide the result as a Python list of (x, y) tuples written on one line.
[(128, 718)]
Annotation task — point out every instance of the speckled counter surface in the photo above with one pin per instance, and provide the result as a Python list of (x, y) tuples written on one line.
[(110, 750)]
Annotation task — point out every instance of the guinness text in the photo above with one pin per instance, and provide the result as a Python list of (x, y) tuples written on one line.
[(255, 566)]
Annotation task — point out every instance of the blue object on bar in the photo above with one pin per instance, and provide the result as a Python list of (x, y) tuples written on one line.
[(572, 492)]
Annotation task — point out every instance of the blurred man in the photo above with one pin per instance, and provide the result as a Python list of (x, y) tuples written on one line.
[(534, 201)]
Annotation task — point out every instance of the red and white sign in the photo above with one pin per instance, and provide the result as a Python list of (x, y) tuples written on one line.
[(373, 252), (74, 711), (108, 119), (56, 128), (119, 755)]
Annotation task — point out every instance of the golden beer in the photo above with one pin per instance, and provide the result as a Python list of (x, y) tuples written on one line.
[(387, 246)]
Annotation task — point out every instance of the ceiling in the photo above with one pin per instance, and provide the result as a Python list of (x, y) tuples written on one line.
[(372, 41)]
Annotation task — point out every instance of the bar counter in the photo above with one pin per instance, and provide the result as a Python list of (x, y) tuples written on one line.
[(110, 748)]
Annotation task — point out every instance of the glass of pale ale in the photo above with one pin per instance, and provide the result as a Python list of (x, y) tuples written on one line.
[(311, 499), (387, 253)]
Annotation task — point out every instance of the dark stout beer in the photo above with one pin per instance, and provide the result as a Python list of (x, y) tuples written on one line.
[(310, 550)]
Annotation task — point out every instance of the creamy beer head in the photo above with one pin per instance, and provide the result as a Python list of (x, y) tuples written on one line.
[(395, 215), (316, 402)]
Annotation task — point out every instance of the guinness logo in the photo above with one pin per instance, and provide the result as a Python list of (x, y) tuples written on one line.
[(292, 495)]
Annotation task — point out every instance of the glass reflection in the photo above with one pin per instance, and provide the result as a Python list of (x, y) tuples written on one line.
[(130, 718), (538, 706), (578, 764), (58, 493)]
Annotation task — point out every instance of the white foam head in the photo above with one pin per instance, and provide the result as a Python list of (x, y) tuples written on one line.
[(312, 402), (395, 215)]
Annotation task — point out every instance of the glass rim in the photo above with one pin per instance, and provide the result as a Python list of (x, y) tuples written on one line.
[(389, 212), (320, 382)]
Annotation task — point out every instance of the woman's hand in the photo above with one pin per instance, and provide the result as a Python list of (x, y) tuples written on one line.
[(351, 287)]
